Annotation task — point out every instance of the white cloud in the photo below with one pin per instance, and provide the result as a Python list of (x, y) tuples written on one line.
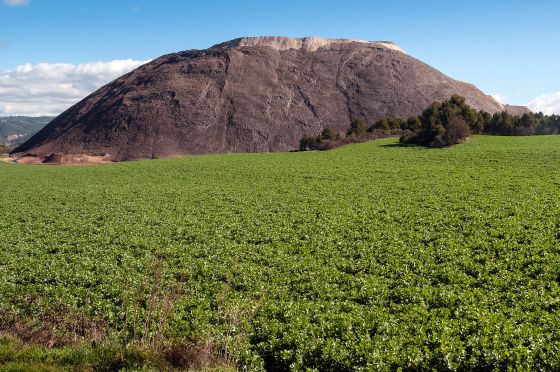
[(498, 97), (547, 103), (50, 88), (16, 2)]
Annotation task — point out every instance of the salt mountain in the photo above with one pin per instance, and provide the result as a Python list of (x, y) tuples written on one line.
[(248, 95)]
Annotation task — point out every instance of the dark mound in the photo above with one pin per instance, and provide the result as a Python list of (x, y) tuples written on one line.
[(248, 95)]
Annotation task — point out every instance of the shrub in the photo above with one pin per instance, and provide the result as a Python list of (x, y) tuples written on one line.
[(407, 136), (396, 123), (457, 131), (329, 134), (387, 124), (412, 124), (308, 143), (443, 124), (357, 127), (382, 124)]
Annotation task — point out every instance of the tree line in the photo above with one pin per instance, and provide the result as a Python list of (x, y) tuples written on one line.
[(442, 124)]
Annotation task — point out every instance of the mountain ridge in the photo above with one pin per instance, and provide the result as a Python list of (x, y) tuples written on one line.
[(309, 44)]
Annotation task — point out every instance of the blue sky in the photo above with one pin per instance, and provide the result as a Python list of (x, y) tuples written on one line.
[(507, 48)]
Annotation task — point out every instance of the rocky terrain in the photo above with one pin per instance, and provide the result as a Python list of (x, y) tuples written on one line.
[(247, 95)]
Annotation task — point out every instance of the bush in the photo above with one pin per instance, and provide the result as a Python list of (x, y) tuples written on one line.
[(357, 127), (439, 135), (457, 131), (407, 137), (327, 139), (396, 123), (387, 124), (308, 143), (329, 134), (382, 124), (443, 124)]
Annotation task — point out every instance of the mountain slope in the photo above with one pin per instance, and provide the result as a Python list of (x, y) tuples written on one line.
[(248, 95), (17, 129)]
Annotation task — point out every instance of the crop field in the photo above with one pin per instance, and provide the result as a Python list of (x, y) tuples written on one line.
[(368, 257)]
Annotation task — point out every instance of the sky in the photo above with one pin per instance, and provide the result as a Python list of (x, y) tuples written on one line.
[(55, 52)]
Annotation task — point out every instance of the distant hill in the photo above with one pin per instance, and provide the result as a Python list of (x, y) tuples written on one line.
[(248, 95), (15, 130)]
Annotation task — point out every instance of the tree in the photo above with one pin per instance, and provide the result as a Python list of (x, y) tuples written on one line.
[(442, 124), (432, 123), (483, 121), (502, 124), (526, 125), (413, 124)]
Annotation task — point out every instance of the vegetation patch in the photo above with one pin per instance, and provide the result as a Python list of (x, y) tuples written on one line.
[(16, 355), (443, 124), (374, 256)]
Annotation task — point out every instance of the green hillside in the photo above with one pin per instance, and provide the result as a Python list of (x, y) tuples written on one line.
[(373, 256)]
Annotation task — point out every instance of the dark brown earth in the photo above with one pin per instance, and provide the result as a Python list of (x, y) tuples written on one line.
[(247, 95)]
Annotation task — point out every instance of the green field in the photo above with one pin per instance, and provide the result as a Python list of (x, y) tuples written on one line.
[(373, 256)]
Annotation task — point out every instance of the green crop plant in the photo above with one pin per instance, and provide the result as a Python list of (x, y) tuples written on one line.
[(369, 257)]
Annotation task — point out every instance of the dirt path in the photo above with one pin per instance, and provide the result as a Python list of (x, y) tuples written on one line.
[(59, 159)]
